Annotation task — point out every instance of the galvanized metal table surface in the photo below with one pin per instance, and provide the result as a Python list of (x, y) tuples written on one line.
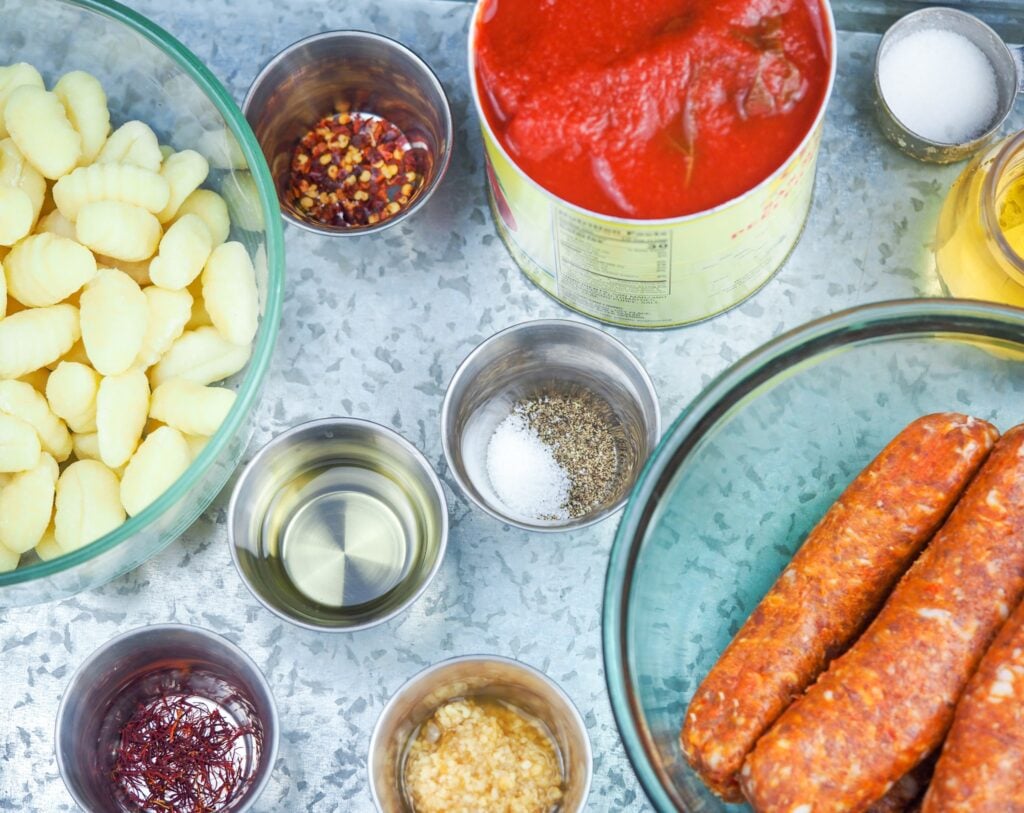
[(374, 328)]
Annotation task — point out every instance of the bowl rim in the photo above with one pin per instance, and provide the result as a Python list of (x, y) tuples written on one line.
[(266, 338), (514, 663), (445, 158), (273, 725), (446, 417), (839, 329), (373, 428)]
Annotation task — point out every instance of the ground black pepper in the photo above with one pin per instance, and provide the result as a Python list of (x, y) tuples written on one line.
[(584, 436)]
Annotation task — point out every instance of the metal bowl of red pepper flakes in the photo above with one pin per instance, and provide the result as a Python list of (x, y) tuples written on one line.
[(356, 128)]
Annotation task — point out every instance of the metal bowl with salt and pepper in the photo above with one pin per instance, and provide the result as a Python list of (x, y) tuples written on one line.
[(547, 424)]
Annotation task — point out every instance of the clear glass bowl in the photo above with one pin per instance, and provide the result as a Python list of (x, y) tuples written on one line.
[(748, 469), (148, 75)]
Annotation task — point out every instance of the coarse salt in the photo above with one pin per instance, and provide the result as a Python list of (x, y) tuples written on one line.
[(939, 85), (524, 473)]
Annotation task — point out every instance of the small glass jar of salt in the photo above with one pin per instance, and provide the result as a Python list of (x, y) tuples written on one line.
[(945, 83)]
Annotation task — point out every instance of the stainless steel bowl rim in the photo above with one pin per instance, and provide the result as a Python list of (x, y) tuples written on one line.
[(446, 406), (374, 427), (266, 338), (444, 160), (269, 754), (513, 663), (940, 315)]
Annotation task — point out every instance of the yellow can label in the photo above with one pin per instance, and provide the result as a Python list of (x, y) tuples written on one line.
[(658, 274)]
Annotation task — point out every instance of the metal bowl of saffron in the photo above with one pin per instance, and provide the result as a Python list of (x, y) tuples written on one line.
[(168, 717), (356, 128)]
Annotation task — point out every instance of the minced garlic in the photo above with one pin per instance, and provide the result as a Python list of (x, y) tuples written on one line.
[(482, 755)]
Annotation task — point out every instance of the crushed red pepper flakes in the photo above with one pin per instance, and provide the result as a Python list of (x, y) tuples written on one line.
[(354, 169)]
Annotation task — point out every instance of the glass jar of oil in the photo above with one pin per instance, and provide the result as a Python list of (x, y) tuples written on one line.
[(979, 245)]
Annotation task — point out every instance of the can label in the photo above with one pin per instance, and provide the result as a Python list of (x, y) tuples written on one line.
[(662, 274)]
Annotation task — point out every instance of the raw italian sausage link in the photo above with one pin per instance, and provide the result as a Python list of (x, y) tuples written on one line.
[(886, 703), (836, 581), (906, 794), (981, 769)]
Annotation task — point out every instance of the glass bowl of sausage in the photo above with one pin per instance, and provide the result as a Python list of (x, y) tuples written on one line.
[(172, 188), (744, 474)]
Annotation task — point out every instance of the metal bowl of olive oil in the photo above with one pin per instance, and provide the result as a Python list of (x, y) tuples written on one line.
[(338, 524)]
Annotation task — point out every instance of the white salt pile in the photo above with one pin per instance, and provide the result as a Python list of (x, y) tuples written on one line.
[(940, 85), (524, 474)]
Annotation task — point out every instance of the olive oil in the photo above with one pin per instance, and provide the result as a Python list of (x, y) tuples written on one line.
[(339, 540)]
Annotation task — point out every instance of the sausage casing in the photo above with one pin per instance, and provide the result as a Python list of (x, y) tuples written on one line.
[(981, 769), (834, 584), (885, 704)]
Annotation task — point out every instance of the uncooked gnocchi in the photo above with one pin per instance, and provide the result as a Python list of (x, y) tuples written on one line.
[(160, 460), (85, 104), (26, 505), (230, 294), (114, 319), (45, 269), (122, 406), (86, 445), (211, 209), (14, 76), (19, 444), (35, 337), (71, 393), (185, 172), (55, 223), (169, 312), (118, 230), (36, 120), (17, 173), (191, 408), (87, 504), (116, 276), (184, 250), (47, 547), (123, 182), (201, 355), (21, 400), (15, 215), (132, 143)]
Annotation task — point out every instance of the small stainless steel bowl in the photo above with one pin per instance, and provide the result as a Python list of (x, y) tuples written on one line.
[(487, 676), (534, 357), (368, 73), (1005, 63), (139, 666), (337, 442)]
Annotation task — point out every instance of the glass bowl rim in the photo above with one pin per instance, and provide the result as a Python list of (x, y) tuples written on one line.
[(889, 319), (218, 95)]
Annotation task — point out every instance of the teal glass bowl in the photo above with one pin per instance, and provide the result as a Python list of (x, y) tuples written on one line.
[(148, 75), (746, 471)]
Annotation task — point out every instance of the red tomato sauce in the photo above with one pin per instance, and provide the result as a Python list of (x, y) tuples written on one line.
[(651, 108)]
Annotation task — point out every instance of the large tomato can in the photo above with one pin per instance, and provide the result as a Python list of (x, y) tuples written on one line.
[(651, 273)]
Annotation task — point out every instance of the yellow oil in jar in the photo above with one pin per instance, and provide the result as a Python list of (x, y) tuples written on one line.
[(971, 259)]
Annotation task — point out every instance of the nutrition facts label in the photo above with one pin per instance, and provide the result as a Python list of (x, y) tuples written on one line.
[(615, 271)]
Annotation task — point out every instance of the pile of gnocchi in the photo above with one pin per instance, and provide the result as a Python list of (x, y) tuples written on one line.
[(121, 303)]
